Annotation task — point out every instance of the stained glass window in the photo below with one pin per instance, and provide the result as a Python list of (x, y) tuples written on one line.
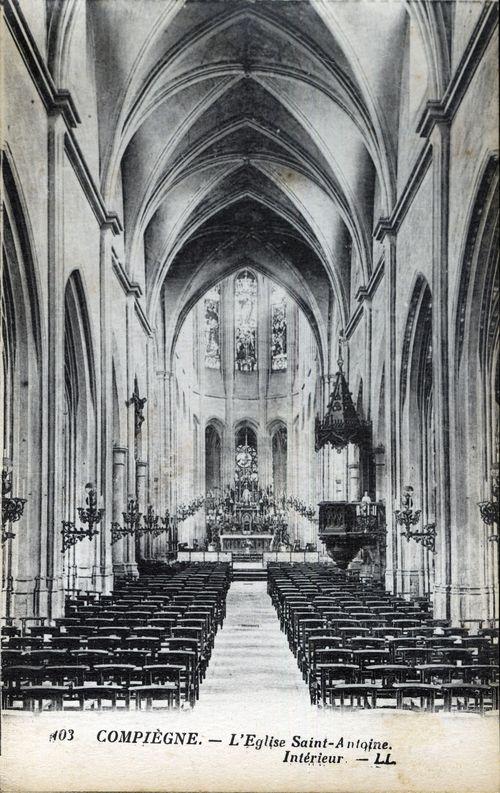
[(246, 469), (245, 315), (278, 330), (212, 328)]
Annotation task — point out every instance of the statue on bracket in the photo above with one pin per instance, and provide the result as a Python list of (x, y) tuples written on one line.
[(138, 403)]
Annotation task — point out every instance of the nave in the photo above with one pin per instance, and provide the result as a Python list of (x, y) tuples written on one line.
[(152, 641)]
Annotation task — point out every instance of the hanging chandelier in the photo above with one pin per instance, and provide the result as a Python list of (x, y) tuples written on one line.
[(341, 424)]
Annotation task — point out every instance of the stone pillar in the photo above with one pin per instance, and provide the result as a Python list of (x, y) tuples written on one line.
[(367, 312), (384, 233), (440, 139), (104, 417), (227, 370), (119, 506), (141, 482), (51, 590), (353, 469), (263, 373), (380, 486)]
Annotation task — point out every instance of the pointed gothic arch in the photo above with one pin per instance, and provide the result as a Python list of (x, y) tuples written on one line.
[(475, 434), (23, 372), (80, 420), (417, 431)]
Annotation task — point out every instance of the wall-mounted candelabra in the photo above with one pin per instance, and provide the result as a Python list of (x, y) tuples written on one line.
[(132, 522), (408, 517), (185, 511), (490, 509), (137, 524), (12, 506), (91, 515), (299, 506), (150, 522)]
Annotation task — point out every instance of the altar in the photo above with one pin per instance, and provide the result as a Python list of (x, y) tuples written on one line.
[(238, 541)]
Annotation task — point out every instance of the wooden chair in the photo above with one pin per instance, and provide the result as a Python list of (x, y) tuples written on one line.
[(361, 695), (10, 630), (14, 677), (367, 643), (138, 642), (328, 675), (66, 642), (121, 674), (187, 659), (91, 657), (48, 655), (65, 673), (484, 673), (97, 695), (387, 674), (425, 693), (114, 631), (37, 695), (371, 656), (461, 695), (431, 673), (126, 656), (109, 643), (22, 643), (413, 655), (453, 654), (148, 694)]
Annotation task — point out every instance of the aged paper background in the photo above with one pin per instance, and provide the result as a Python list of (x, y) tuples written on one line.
[(434, 753)]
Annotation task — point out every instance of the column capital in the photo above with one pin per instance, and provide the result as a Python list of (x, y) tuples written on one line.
[(119, 454)]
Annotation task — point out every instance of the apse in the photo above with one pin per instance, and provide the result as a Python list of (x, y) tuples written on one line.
[(247, 368)]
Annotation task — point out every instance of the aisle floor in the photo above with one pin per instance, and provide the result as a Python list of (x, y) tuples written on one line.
[(251, 661)]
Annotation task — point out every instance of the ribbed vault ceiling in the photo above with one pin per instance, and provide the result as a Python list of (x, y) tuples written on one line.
[(257, 130)]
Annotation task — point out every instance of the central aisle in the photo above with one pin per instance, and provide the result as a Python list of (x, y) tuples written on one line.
[(251, 662)]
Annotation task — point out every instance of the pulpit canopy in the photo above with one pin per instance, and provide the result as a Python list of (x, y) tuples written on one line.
[(341, 424)]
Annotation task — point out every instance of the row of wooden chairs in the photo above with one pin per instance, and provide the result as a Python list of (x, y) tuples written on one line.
[(149, 641), (359, 646)]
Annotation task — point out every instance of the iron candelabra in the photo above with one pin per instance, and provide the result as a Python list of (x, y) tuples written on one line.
[(91, 515), (408, 517), (489, 509), (12, 506), (131, 519)]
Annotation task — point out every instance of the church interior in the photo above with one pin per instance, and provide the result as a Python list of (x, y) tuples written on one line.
[(250, 353)]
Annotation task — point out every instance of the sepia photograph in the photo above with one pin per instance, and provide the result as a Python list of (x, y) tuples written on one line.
[(250, 396)]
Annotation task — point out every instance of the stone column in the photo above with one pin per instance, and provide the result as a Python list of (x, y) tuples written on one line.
[(263, 373), (380, 490), (440, 139), (119, 506), (353, 469), (104, 417), (384, 233), (141, 475), (51, 590), (227, 369)]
